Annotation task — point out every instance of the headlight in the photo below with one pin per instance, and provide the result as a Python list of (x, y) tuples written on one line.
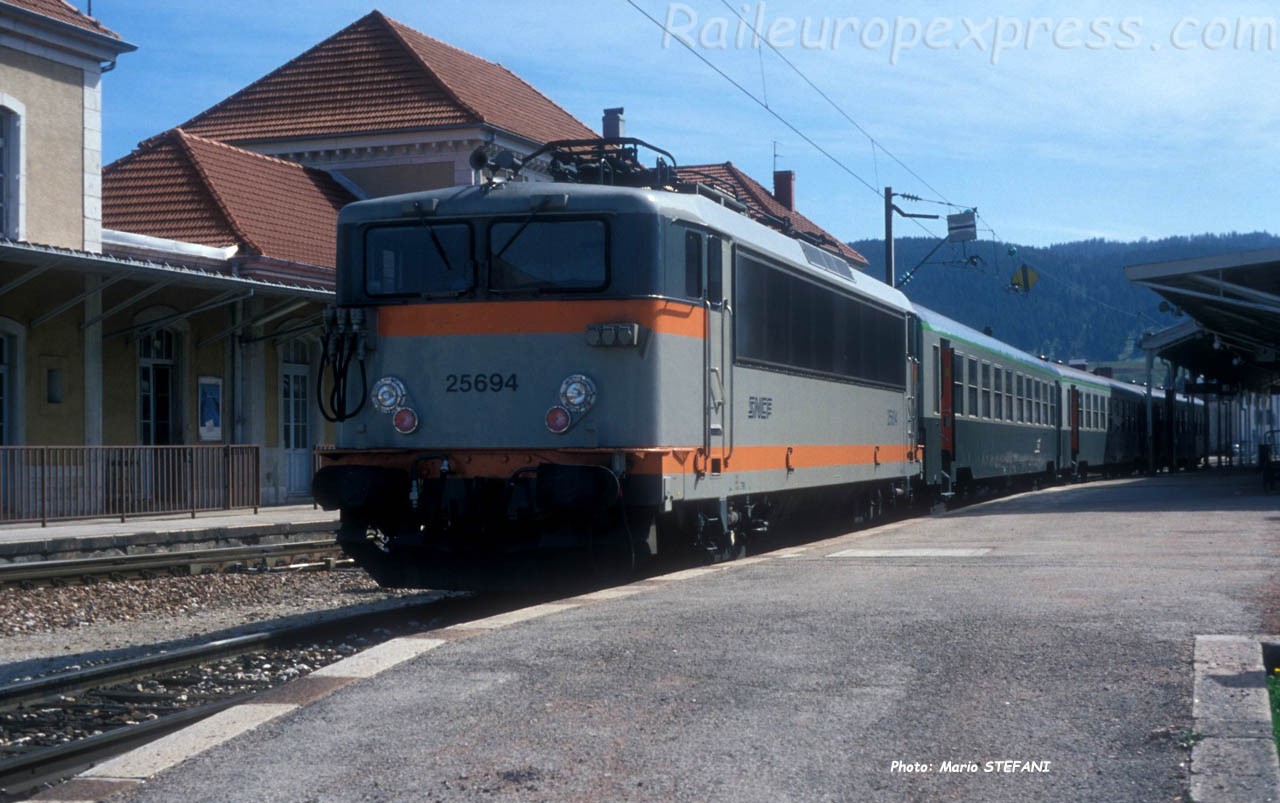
[(388, 394), (578, 393)]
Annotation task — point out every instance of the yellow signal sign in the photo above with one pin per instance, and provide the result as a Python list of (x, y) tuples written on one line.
[(1024, 278)]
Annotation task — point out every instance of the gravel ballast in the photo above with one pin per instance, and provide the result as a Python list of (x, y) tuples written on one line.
[(49, 628)]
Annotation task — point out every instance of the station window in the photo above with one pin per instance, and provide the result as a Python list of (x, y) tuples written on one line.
[(11, 168), (4, 390)]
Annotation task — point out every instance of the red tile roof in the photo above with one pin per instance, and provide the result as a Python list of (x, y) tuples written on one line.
[(63, 12), (379, 75), (728, 178), (183, 187)]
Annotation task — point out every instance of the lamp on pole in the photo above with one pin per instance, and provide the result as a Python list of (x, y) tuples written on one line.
[(889, 208)]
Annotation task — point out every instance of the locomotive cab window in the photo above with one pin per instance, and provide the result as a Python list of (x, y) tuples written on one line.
[(548, 256), (695, 262), (418, 260), (715, 270)]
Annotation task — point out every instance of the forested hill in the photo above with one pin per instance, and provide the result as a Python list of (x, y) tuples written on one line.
[(1082, 305)]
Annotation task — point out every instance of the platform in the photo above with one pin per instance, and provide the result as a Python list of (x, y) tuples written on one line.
[(1040, 647), (97, 537)]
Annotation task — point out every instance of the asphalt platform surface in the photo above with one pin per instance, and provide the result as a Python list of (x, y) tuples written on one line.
[(1055, 627)]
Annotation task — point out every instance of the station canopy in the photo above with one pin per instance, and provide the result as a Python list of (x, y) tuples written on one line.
[(1232, 304)]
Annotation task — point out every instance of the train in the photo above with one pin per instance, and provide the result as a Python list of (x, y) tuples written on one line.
[(628, 361)]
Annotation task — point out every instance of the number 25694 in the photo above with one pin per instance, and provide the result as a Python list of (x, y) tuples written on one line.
[(481, 383)]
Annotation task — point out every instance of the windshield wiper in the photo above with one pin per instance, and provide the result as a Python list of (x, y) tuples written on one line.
[(435, 240)]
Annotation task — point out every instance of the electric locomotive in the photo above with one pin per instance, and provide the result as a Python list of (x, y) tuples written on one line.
[(604, 368)]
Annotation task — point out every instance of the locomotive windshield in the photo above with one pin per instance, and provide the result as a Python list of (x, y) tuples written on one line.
[(420, 260), (548, 255)]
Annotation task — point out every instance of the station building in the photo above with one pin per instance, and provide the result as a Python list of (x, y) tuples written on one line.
[(160, 317)]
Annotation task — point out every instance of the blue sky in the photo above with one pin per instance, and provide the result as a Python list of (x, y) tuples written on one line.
[(1115, 120)]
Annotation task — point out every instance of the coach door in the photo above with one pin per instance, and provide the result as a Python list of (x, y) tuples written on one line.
[(1074, 408), (718, 353), (946, 387)]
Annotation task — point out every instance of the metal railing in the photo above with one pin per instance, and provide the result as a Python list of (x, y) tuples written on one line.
[(56, 483)]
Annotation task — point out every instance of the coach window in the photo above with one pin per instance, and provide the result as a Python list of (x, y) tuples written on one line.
[(1008, 394), (957, 381), (999, 394), (973, 388), (986, 390)]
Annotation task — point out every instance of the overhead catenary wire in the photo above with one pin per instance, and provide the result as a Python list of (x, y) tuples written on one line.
[(1082, 292), (762, 104), (874, 142)]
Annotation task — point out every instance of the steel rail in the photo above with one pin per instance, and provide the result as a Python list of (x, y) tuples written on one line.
[(26, 774), (33, 571), (13, 695)]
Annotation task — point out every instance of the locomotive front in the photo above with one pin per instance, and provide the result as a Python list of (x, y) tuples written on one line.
[(495, 367)]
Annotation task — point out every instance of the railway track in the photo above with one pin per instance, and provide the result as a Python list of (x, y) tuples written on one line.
[(107, 709), (320, 552)]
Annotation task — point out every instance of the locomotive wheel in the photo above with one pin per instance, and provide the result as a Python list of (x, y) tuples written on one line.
[(613, 553)]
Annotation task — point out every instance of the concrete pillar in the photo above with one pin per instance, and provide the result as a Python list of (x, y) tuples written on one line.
[(93, 365)]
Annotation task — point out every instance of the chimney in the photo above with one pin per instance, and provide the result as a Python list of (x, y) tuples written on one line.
[(784, 188), (613, 123)]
